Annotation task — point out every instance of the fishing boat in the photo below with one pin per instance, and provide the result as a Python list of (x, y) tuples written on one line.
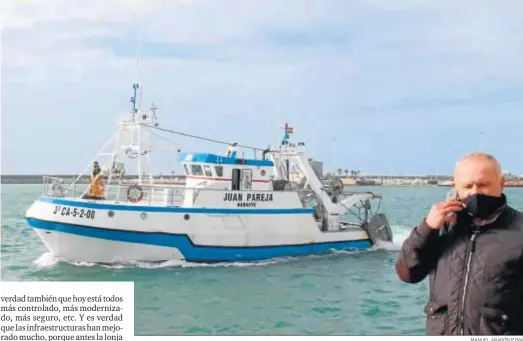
[(230, 209)]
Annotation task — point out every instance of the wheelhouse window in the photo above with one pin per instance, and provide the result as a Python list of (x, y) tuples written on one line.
[(236, 179), (207, 169), (196, 170), (187, 170), (218, 170)]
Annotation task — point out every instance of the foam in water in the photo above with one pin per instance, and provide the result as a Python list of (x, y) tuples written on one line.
[(46, 260), (399, 234)]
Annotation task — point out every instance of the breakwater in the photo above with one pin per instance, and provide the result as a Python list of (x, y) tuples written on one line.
[(440, 180), (367, 181)]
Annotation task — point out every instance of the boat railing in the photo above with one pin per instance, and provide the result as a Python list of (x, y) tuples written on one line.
[(145, 194), (162, 194), (58, 187), (148, 195), (165, 195)]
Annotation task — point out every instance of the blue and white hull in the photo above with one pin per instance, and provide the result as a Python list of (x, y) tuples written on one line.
[(101, 232)]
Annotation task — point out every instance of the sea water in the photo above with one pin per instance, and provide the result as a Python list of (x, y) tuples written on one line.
[(341, 293)]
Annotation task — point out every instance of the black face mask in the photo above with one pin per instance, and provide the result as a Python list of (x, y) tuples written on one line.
[(482, 206)]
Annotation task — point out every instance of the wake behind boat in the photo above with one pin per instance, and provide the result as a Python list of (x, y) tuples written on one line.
[(231, 208)]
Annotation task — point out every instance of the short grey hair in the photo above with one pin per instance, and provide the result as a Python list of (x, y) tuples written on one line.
[(481, 156)]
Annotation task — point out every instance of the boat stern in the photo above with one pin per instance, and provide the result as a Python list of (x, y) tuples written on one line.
[(379, 229)]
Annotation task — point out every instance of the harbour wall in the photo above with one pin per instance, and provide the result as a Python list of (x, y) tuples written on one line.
[(375, 180)]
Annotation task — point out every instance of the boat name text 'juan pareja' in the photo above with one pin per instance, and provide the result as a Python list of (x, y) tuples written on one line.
[(250, 198)]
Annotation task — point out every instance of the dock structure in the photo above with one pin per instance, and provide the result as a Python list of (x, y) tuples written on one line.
[(368, 180), (374, 180)]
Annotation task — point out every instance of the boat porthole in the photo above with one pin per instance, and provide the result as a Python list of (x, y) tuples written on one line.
[(110, 214), (262, 172), (186, 217), (143, 215)]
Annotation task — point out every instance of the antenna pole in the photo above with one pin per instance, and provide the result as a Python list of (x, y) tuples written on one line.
[(136, 87), (134, 111)]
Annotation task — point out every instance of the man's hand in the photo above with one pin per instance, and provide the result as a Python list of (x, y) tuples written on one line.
[(442, 212)]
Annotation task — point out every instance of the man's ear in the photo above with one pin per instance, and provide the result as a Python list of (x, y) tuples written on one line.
[(502, 182)]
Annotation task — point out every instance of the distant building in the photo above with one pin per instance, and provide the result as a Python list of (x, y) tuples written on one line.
[(317, 166), (510, 176)]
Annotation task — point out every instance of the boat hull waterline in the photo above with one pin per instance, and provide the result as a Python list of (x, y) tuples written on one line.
[(87, 231)]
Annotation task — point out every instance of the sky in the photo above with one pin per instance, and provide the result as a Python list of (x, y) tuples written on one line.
[(383, 86)]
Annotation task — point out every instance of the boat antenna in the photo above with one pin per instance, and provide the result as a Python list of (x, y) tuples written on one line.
[(136, 86), (287, 131), (133, 98), (153, 110)]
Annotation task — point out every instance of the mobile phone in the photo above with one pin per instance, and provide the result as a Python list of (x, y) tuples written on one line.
[(452, 194)]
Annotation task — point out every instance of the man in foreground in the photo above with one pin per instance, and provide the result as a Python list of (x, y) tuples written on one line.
[(471, 246)]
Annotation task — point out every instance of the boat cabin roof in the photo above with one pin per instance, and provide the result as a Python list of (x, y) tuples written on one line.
[(222, 160)]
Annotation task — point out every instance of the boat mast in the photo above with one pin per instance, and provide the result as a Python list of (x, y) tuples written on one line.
[(141, 121), (138, 131)]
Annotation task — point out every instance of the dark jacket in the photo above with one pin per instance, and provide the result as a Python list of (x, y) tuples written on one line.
[(475, 275)]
